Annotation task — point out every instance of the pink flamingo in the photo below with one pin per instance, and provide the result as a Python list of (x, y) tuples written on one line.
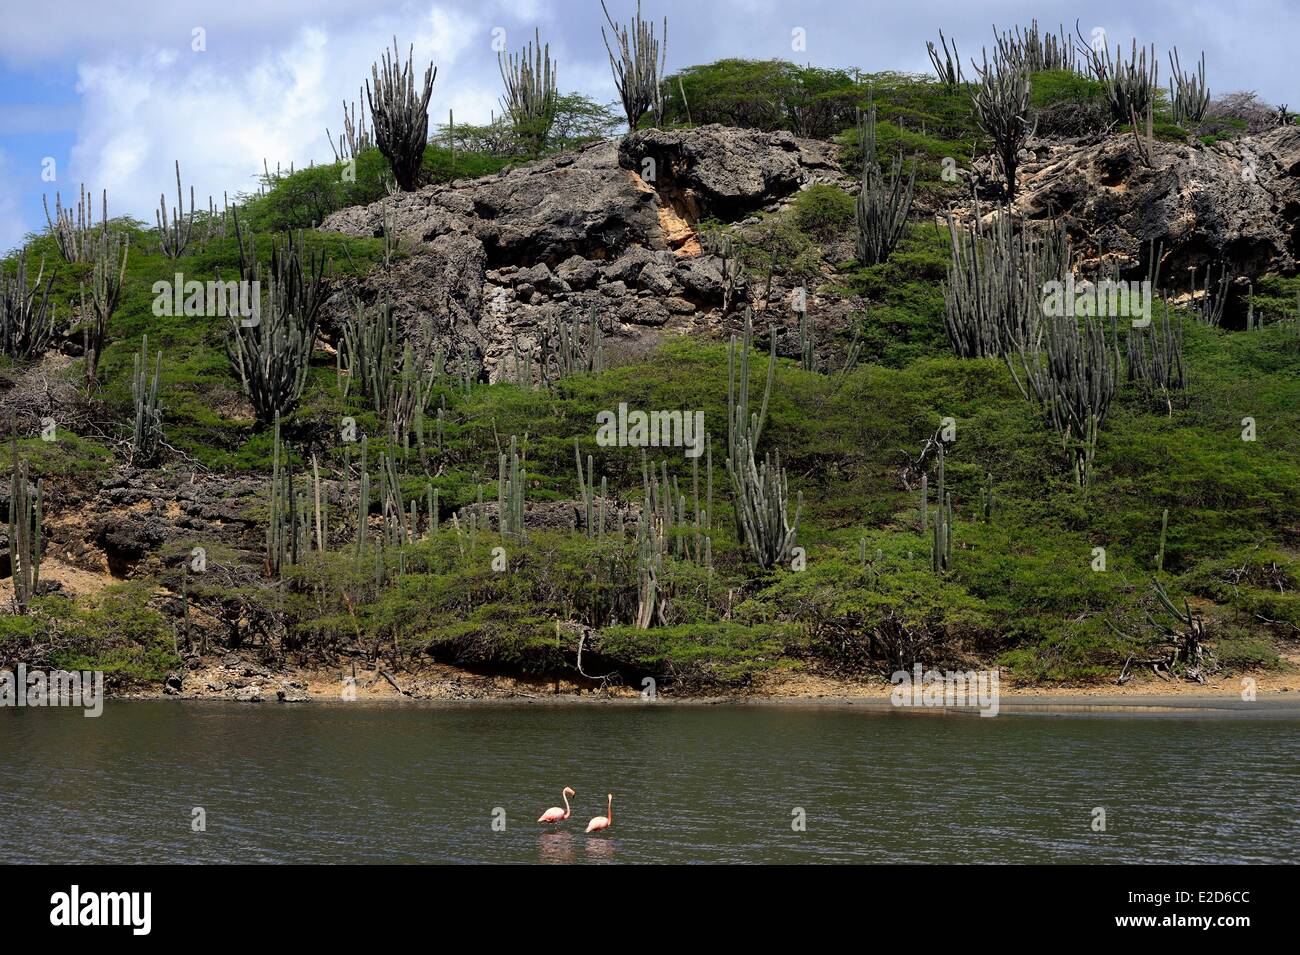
[(603, 822), (555, 813)]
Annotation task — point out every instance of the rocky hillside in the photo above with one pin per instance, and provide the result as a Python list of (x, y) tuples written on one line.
[(667, 239), (495, 262)]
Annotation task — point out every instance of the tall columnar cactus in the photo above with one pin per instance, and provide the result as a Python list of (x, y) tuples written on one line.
[(530, 97), (592, 506), (925, 503), (639, 66), (652, 603), (1001, 104), (271, 351), (948, 69), (400, 115), (1189, 96), (941, 543), (146, 427), (761, 492), (25, 505), (75, 237), (174, 233), (666, 526), (363, 502), (105, 293), (392, 510), (355, 138), (996, 275), (288, 531), (762, 506), (883, 203), (512, 478), (741, 422), (1164, 533), (26, 318), (1144, 139), (392, 240)]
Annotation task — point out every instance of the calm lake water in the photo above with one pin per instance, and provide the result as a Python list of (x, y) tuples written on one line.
[(421, 783)]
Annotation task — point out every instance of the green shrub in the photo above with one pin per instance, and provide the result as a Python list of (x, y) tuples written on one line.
[(1239, 650), (823, 210), (764, 94)]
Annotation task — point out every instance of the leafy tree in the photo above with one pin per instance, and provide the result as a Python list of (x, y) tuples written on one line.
[(764, 94), (580, 120)]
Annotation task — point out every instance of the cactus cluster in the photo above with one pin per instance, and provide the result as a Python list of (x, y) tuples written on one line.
[(105, 293), (400, 115), (174, 233), (75, 237), (1155, 359), (594, 507), (1189, 96), (883, 202), (512, 479), (355, 138), (286, 528), (652, 602), (398, 391), (146, 427), (368, 351), (564, 351), (668, 526), (1130, 85), (639, 66), (271, 356), (299, 521), (732, 267), (26, 318), (408, 398), (530, 98), (1035, 51), (761, 491), (1071, 371), (683, 526), (993, 296)]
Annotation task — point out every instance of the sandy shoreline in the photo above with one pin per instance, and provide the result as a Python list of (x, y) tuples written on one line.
[(234, 679)]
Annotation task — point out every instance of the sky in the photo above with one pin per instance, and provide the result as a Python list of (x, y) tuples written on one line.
[(111, 94)]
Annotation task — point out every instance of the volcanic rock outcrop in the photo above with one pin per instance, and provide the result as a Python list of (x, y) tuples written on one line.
[(495, 262)]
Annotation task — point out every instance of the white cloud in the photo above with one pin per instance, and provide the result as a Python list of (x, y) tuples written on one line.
[(222, 115)]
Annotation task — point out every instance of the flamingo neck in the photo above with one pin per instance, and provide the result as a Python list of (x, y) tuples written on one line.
[(609, 813), (565, 794)]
